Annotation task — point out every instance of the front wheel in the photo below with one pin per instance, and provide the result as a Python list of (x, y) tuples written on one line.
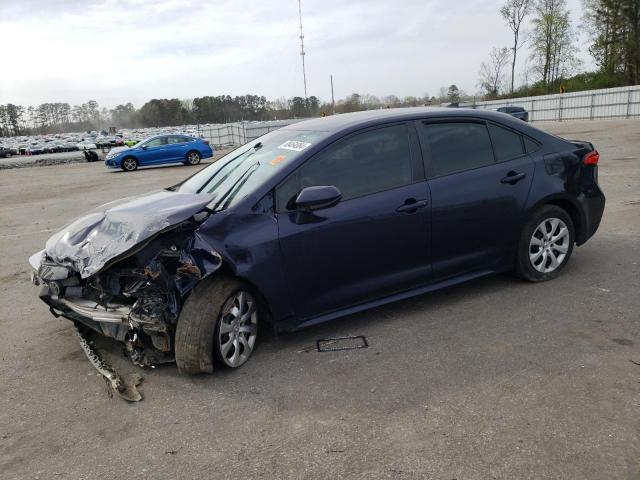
[(193, 158), (129, 164), (220, 318), (545, 245)]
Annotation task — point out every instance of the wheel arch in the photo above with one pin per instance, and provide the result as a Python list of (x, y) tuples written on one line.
[(227, 271), (572, 208)]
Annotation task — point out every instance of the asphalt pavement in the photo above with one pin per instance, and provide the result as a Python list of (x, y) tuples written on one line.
[(496, 378)]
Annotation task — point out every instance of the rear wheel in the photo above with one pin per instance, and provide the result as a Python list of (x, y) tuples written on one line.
[(545, 245), (219, 320), (193, 158), (129, 164)]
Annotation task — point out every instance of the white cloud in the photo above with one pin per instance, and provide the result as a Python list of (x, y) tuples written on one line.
[(116, 51)]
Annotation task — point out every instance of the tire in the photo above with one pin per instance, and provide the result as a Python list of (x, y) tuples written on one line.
[(204, 325), (129, 164), (193, 158), (542, 256)]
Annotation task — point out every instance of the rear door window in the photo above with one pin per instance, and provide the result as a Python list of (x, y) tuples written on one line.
[(456, 146), (507, 144), (175, 139)]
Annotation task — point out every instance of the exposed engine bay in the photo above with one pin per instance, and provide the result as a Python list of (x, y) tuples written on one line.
[(146, 269), (138, 299)]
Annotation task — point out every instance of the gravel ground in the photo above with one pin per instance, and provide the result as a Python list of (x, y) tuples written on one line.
[(496, 378)]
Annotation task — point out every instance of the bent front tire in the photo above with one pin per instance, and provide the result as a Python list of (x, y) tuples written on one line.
[(219, 321), (546, 244)]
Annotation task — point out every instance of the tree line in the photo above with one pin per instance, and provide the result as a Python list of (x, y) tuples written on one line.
[(551, 66), (63, 117)]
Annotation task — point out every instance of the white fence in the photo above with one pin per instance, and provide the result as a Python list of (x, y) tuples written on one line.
[(241, 132), (620, 102)]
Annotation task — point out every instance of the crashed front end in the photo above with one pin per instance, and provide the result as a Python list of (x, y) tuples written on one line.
[(125, 270)]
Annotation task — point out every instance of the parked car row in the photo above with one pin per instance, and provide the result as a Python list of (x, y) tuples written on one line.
[(35, 148), (38, 144)]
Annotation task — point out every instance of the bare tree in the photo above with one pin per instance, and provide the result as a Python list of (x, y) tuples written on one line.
[(514, 12), (492, 72)]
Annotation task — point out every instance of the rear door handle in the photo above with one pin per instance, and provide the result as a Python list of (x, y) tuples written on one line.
[(513, 177), (411, 205)]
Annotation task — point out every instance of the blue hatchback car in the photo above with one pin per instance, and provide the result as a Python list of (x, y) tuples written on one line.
[(158, 150), (318, 220)]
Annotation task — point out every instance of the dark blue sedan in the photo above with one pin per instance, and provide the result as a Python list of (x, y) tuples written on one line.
[(318, 220), (158, 150)]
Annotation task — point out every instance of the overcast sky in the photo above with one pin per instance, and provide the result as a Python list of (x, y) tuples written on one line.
[(115, 51)]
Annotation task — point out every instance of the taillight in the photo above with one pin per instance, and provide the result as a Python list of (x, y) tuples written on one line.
[(591, 158), (206, 142)]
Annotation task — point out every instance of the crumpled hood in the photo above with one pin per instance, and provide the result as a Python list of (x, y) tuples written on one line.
[(110, 230)]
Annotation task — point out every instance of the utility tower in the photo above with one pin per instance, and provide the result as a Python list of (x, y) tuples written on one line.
[(304, 72)]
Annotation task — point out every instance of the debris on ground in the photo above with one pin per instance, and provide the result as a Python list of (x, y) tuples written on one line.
[(341, 343), (125, 389)]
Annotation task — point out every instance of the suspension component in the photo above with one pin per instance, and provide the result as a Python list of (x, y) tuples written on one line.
[(124, 389)]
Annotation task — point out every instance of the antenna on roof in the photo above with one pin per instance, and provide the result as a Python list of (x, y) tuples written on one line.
[(304, 73)]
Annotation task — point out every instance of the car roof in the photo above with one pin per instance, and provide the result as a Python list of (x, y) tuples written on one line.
[(168, 135), (335, 123)]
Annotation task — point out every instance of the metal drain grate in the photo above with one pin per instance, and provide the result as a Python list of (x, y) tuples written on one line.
[(341, 343)]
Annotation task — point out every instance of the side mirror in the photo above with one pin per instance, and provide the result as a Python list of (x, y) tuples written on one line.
[(144, 147), (316, 198)]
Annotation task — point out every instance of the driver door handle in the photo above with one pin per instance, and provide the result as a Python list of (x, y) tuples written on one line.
[(513, 177), (411, 205)]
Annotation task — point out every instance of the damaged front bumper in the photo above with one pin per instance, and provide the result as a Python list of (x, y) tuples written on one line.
[(57, 289), (133, 296)]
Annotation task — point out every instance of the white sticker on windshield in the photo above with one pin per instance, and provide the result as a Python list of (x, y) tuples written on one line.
[(293, 145)]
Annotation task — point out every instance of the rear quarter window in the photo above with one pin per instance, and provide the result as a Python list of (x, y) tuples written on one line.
[(507, 144), (531, 145)]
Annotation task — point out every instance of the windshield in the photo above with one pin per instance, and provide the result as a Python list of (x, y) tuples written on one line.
[(235, 175)]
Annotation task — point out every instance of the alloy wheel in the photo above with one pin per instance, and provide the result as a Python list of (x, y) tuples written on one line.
[(238, 329), (129, 164), (549, 245), (193, 158)]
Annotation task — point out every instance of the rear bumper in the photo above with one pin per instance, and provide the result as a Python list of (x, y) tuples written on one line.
[(592, 203)]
